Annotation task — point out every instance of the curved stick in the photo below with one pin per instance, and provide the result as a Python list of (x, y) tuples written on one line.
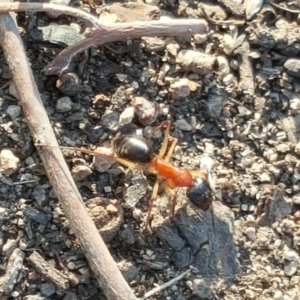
[(123, 31)]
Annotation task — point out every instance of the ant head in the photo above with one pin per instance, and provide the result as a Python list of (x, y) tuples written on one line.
[(200, 194)]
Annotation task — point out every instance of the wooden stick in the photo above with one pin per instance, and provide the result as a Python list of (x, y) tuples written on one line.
[(103, 34), (48, 271), (105, 269), (123, 31)]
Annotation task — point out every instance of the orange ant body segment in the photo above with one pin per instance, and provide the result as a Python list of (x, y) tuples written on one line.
[(135, 153), (180, 177)]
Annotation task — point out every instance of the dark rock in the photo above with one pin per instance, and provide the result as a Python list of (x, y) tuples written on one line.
[(182, 258), (166, 233)]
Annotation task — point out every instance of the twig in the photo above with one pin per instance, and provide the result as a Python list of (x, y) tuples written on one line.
[(47, 7), (103, 34), (105, 269), (24, 182), (123, 31), (163, 286), (48, 271)]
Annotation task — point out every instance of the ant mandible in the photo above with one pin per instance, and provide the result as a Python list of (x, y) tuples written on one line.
[(136, 153)]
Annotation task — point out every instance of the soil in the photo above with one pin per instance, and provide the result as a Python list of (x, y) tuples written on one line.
[(232, 96)]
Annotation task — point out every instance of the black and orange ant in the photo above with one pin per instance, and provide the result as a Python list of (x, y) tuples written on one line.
[(136, 153)]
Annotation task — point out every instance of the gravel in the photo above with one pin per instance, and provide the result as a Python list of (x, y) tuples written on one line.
[(231, 95)]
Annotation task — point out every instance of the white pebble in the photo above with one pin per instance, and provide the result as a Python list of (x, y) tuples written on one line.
[(291, 255), (290, 269), (9, 163), (251, 233), (135, 85), (244, 207), (278, 295), (230, 134), (63, 104), (107, 189), (13, 111)]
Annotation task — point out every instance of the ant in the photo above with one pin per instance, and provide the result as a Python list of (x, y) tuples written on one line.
[(136, 153)]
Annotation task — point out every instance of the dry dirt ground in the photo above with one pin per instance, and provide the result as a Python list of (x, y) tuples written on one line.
[(232, 95)]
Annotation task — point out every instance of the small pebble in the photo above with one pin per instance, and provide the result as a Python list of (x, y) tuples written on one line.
[(180, 89), (183, 125), (13, 111), (126, 116), (107, 189), (249, 294), (243, 111), (290, 255), (278, 295), (12, 90), (69, 84), (81, 172), (200, 38), (103, 163), (149, 252), (111, 209), (228, 79), (251, 233), (230, 134), (283, 148), (265, 178), (47, 289), (64, 104), (244, 207), (146, 111), (290, 269), (257, 168), (9, 163), (292, 67), (152, 2), (111, 121)]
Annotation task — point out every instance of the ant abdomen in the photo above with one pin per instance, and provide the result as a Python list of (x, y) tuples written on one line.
[(200, 194), (133, 148)]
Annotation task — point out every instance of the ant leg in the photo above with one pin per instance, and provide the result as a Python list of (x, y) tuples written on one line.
[(153, 197), (131, 165), (171, 150), (172, 194), (164, 146), (201, 174)]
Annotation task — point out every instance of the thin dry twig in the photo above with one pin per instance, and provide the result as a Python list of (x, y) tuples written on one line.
[(103, 34), (48, 271), (123, 31), (100, 260), (164, 286), (48, 7)]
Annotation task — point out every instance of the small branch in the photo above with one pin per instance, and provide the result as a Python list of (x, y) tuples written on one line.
[(105, 269), (103, 34), (49, 272), (163, 286), (47, 7), (123, 31)]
